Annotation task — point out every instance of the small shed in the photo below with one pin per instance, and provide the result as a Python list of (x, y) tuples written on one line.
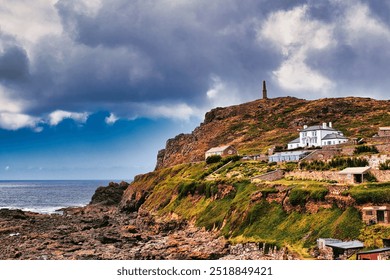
[(343, 250), (354, 175), (376, 214), (384, 131), (221, 151), (377, 254)]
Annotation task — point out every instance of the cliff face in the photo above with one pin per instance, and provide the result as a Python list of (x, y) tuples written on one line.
[(255, 126)]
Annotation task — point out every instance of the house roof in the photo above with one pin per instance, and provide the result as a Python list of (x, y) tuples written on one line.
[(383, 207), (292, 153), (295, 141), (380, 250), (385, 128), (318, 127), (217, 149), (355, 170), (334, 136), (354, 244)]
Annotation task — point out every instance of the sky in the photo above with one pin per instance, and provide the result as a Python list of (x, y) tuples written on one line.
[(92, 89)]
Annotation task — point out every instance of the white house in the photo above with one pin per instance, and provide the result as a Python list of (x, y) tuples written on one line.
[(317, 136)]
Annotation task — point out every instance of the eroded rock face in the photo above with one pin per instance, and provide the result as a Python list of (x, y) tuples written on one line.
[(110, 195)]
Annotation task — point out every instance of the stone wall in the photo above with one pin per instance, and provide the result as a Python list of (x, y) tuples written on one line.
[(323, 154), (270, 176), (258, 251), (383, 148), (316, 175), (380, 175), (375, 160)]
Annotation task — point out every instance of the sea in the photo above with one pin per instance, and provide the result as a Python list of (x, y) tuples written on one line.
[(47, 196)]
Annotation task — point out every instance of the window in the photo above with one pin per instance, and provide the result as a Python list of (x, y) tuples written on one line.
[(369, 212)]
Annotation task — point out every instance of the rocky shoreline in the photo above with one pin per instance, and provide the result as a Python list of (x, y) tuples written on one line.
[(102, 231)]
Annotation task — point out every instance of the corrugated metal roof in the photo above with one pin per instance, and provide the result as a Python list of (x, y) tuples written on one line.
[(354, 244), (380, 250), (217, 149), (355, 170), (293, 153)]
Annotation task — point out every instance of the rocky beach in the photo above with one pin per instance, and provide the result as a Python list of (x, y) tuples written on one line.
[(101, 231)]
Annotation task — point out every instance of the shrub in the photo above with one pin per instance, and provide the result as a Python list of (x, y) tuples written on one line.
[(338, 163), (299, 196), (213, 159), (372, 193), (385, 165), (231, 158), (365, 149), (290, 166), (186, 188)]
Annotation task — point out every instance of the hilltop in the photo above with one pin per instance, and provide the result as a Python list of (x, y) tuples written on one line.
[(255, 126)]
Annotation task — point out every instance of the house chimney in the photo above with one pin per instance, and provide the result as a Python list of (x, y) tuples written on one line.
[(305, 126), (330, 124), (264, 91), (324, 125)]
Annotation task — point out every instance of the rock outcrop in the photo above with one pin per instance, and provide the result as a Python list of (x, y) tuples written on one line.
[(110, 195)]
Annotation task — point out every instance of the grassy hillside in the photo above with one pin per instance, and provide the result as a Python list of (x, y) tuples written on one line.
[(276, 213)]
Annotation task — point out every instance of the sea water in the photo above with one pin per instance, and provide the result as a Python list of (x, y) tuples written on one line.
[(47, 196)]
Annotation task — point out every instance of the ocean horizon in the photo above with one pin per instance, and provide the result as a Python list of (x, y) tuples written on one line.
[(47, 196)]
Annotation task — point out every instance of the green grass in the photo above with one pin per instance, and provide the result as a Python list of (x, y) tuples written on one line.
[(372, 235), (181, 190), (372, 192)]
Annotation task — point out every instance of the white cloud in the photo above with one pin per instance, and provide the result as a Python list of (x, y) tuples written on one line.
[(179, 111), (221, 94), (29, 20), (7, 104), (297, 76), (87, 7), (295, 35), (15, 121), (111, 119), (7, 168), (293, 31), (57, 116), (360, 24)]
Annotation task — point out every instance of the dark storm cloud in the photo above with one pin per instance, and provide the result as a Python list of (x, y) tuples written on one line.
[(126, 56), (13, 64), (154, 52)]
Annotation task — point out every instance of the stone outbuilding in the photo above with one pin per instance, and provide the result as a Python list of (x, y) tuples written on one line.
[(344, 250), (354, 175), (377, 254), (221, 151), (384, 131), (376, 214)]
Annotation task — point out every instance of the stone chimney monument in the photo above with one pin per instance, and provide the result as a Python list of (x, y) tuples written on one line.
[(264, 91)]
